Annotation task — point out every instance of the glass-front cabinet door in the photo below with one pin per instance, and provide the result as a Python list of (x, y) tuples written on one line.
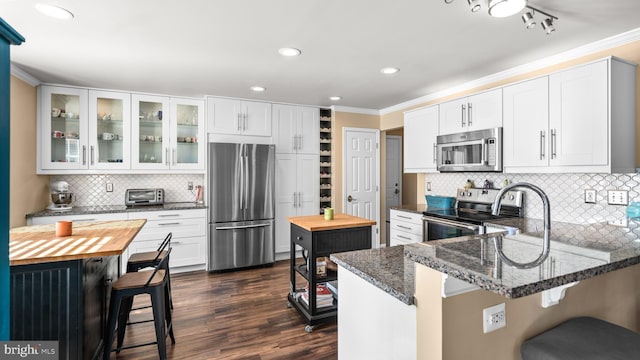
[(150, 132), (109, 130), (63, 135), (187, 134)]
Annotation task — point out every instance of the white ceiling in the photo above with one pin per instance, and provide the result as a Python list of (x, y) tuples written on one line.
[(215, 47)]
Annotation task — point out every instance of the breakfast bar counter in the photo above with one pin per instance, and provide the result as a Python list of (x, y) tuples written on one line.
[(39, 243), (60, 286)]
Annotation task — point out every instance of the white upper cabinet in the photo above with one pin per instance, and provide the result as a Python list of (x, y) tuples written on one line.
[(573, 121), (295, 129), (578, 113), (187, 134), (150, 132), (526, 124), (238, 117), (420, 132), (109, 130), (63, 125), (475, 112)]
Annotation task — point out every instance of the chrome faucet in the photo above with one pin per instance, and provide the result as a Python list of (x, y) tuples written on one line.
[(547, 225)]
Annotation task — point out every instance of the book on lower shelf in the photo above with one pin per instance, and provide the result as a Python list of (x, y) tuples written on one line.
[(324, 297)]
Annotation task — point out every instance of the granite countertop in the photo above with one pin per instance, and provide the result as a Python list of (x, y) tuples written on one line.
[(106, 209), (386, 268), (577, 252), (39, 244), (418, 209)]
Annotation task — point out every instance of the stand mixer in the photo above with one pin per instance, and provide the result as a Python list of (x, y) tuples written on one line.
[(60, 196)]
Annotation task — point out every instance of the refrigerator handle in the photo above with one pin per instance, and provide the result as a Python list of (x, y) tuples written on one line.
[(241, 176), (246, 181)]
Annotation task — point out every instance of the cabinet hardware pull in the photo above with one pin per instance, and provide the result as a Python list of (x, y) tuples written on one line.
[(92, 162), (403, 237), (108, 281), (166, 154), (299, 199), (172, 243), (469, 112), (435, 154), (554, 145), (84, 155), (299, 238), (173, 156), (403, 227), (404, 217), (168, 215), (238, 120), (72, 220), (165, 224), (464, 111), (98, 260), (542, 136)]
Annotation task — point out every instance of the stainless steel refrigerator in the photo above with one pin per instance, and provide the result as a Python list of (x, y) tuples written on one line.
[(241, 205)]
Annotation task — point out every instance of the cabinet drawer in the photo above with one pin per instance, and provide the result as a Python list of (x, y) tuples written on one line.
[(404, 237), (406, 226), (185, 251), (181, 228), (168, 215), (40, 220), (405, 216)]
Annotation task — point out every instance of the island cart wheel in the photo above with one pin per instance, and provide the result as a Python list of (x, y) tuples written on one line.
[(308, 328)]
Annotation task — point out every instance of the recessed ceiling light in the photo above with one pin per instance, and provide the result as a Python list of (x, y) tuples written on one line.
[(54, 11), (389, 70), (335, 98), (258, 88), (289, 51)]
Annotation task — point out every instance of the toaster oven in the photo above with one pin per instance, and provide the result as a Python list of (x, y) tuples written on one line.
[(134, 197)]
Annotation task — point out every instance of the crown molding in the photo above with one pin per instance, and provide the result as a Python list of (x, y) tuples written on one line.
[(355, 110), (600, 45), (24, 76)]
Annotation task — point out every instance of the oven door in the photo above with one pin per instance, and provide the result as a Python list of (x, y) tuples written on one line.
[(437, 228)]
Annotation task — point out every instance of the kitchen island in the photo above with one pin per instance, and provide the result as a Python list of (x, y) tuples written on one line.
[(319, 238), (60, 285), (455, 279)]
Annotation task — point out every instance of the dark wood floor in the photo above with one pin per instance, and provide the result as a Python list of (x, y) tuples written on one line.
[(234, 315)]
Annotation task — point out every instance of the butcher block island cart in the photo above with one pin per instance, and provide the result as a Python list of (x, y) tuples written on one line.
[(60, 285), (319, 238)]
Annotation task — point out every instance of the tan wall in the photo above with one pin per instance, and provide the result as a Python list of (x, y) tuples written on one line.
[(614, 297), (630, 52), (342, 120), (29, 192)]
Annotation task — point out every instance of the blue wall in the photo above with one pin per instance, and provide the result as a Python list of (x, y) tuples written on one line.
[(8, 37)]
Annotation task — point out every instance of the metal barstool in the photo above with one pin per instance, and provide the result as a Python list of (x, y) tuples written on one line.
[(155, 284), (583, 338), (146, 259)]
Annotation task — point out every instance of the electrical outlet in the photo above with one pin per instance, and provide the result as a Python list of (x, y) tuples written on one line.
[(109, 187), (190, 185), (590, 196), (618, 197), (494, 318), (428, 185), (622, 222)]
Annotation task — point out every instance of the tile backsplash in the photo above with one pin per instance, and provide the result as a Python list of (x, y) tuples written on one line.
[(565, 192), (90, 190)]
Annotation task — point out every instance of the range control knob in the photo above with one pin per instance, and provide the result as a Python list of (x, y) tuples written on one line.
[(461, 193), (512, 197), (469, 193)]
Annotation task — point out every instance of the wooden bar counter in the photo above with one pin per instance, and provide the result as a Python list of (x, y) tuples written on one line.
[(60, 286), (320, 238)]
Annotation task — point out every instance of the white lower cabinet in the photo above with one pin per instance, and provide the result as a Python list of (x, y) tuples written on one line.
[(188, 228), (406, 228)]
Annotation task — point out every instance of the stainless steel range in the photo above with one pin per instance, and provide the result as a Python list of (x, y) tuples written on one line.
[(470, 214)]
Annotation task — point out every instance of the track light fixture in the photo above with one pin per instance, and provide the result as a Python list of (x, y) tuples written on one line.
[(474, 5), (504, 8), (528, 20)]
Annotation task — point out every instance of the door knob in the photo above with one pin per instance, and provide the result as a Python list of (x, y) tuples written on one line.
[(350, 198)]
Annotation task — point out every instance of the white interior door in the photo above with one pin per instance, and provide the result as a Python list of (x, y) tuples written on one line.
[(362, 176), (393, 188)]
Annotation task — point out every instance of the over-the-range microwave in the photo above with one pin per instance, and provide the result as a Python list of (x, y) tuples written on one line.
[(479, 150)]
